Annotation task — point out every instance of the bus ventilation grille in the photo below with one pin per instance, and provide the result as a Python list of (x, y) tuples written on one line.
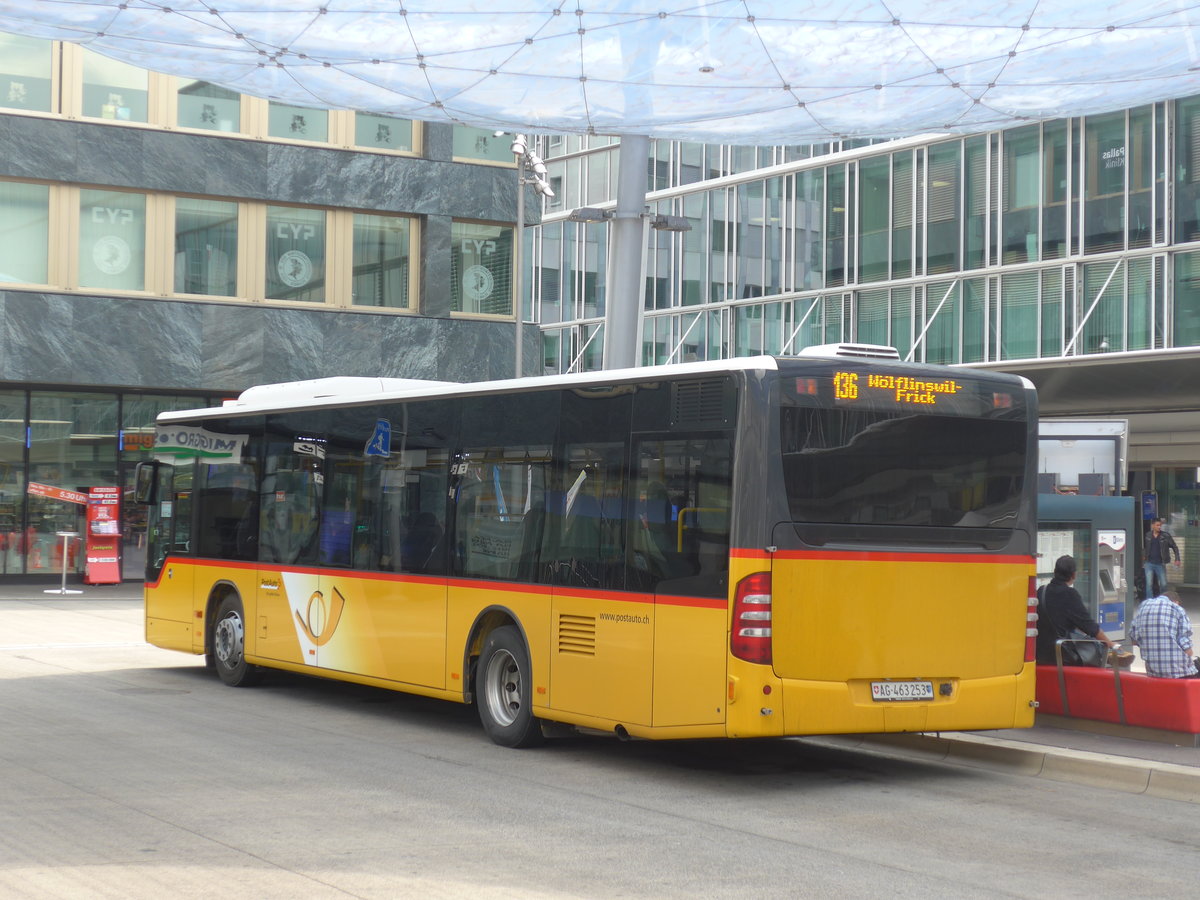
[(863, 351), (577, 635), (699, 403)]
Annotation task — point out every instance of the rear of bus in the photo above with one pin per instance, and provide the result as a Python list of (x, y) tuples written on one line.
[(894, 588)]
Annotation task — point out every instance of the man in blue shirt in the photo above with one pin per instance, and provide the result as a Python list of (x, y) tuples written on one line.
[(1163, 632)]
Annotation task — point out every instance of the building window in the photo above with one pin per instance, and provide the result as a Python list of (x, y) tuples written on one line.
[(297, 123), (1107, 160), (383, 132), (114, 90), (208, 107), (481, 268), (72, 445), (206, 247), (25, 224), (382, 254), (112, 240), (481, 144), (1186, 324), (295, 254), (26, 67)]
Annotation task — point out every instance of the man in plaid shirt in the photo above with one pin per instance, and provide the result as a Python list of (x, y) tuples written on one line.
[(1163, 632)]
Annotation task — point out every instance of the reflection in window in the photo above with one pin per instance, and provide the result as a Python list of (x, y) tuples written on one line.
[(383, 132), (295, 254), (24, 223), (481, 268), (297, 123), (208, 107), (25, 68), (114, 90), (72, 445), (205, 247), (1105, 165), (381, 261), (12, 480), (112, 240)]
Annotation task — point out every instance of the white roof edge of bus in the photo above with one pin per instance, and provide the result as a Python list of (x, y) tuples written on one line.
[(319, 392)]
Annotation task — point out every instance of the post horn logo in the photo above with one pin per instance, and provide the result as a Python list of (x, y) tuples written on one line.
[(319, 620)]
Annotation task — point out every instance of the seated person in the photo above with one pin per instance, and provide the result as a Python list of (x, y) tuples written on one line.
[(1163, 632), (1061, 610)]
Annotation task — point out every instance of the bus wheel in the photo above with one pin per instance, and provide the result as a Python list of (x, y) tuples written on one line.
[(503, 690), (229, 645)]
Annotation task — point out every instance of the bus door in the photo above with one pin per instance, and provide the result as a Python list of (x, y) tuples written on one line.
[(169, 616), (602, 641), (291, 621), (398, 619), (679, 552)]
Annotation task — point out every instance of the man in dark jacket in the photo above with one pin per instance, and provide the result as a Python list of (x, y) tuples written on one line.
[(1060, 608), (1158, 547)]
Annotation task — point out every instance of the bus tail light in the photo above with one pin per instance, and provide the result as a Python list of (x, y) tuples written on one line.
[(1031, 617), (751, 638)]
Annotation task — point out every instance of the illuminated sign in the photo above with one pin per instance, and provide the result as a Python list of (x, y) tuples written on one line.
[(900, 389)]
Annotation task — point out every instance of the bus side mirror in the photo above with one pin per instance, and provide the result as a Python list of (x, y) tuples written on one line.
[(145, 482)]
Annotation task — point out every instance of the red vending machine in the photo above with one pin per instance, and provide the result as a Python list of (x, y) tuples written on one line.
[(103, 539)]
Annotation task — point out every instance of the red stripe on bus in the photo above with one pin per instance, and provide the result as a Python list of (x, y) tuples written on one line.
[(884, 556), (478, 584)]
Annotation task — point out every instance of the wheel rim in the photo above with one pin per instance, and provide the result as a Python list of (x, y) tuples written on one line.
[(502, 687), (229, 639)]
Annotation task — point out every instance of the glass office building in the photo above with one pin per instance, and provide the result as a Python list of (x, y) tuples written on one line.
[(1067, 251), (166, 243)]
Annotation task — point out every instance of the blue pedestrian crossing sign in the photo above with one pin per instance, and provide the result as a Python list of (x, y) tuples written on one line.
[(380, 443)]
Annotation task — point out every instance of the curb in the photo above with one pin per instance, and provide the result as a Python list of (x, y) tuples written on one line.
[(1167, 781)]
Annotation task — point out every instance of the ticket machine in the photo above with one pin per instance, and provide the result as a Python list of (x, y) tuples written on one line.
[(1101, 533)]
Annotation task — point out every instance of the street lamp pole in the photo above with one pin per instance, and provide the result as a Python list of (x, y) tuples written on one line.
[(518, 272), (531, 169)]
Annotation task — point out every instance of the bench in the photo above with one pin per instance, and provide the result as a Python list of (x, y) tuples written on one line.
[(1120, 697)]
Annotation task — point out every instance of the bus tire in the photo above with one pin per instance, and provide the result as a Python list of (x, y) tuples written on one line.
[(229, 645), (504, 690)]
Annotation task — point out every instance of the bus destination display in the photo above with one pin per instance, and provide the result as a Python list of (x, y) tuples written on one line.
[(901, 389)]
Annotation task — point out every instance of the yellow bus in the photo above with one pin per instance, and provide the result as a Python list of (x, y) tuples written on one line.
[(836, 542)]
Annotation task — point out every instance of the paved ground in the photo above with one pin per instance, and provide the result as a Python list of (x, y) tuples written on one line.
[(1130, 759)]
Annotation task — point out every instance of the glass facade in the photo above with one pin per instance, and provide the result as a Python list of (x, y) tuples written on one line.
[(114, 90), (382, 261), (1046, 241), (297, 123), (383, 132), (112, 240), (206, 247), (483, 145), (26, 73), (208, 107), (295, 254), (25, 225), (54, 447), (481, 258)]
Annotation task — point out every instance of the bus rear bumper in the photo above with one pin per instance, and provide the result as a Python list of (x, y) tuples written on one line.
[(801, 707)]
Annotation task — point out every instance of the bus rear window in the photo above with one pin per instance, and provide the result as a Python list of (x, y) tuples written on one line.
[(902, 467)]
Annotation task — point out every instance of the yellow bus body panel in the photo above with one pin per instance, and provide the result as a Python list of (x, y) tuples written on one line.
[(841, 622), (170, 611), (657, 667)]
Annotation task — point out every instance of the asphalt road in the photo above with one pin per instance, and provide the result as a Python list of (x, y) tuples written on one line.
[(128, 771)]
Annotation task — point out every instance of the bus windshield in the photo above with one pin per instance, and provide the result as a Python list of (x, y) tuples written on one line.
[(953, 459)]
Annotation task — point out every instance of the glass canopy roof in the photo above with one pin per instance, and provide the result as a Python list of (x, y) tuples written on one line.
[(736, 71)]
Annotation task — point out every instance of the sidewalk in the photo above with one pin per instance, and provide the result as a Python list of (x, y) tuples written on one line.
[(1055, 748)]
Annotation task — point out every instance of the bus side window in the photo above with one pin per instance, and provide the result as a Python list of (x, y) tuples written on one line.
[(680, 539), (290, 494), (501, 497)]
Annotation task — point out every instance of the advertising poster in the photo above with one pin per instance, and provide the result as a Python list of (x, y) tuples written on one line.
[(103, 539)]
